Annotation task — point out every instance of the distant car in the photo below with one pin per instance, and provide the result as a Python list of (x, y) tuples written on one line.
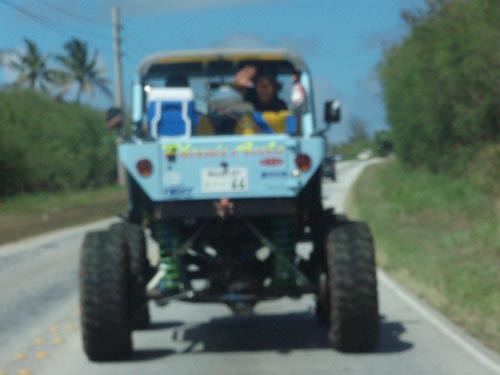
[(329, 168), (365, 154)]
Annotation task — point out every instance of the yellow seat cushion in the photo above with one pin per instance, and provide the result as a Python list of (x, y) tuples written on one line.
[(276, 120)]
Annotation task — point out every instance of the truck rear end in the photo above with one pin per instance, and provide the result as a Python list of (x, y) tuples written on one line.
[(205, 169), (227, 190)]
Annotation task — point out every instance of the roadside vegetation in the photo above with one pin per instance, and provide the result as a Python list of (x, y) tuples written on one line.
[(61, 74), (435, 210), (56, 166), (359, 139), (48, 144), (27, 215), (440, 236), (441, 84), (51, 146), (57, 159)]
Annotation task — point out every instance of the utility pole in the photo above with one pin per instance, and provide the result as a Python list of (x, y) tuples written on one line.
[(118, 58), (118, 81)]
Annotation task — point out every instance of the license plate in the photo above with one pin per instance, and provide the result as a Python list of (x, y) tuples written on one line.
[(224, 180)]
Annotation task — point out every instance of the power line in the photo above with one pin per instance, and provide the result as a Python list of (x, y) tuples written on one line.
[(47, 24), (144, 47), (136, 45), (32, 16), (50, 25), (68, 12), (71, 14)]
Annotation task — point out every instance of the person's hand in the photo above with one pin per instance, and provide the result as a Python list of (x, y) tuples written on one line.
[(243, 78)]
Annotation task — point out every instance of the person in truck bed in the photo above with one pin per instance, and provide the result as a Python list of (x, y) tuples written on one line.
[(260, 89)]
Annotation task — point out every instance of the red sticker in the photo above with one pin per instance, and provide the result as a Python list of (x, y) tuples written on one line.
[(271, 162)]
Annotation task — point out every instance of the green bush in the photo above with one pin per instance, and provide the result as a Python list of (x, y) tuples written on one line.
[(48, 146), (485, 167), (442, 84)]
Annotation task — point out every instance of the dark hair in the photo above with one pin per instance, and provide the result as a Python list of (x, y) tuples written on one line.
[(271, 78)]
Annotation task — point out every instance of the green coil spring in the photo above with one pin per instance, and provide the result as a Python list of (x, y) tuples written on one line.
[(283, 239), (168, 237)]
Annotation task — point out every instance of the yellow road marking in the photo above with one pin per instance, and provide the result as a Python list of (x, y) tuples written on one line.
[(71, 327), (3, 373), (21, 356), (53, 329), (57, 340), (38, 342), (41, 355), (24, 371)]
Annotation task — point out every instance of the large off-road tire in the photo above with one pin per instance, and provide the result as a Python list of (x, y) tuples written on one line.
[(105, 315), (321, 225), (352, 287), (139, 272)]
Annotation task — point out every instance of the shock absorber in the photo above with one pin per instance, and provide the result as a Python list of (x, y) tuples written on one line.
[(168, 241), (283, 239)]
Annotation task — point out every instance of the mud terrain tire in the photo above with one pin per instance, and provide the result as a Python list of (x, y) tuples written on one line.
[(352, 287), (139, 275), (105, 316)]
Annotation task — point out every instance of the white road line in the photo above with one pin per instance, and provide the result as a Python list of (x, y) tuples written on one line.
[(471, 346)]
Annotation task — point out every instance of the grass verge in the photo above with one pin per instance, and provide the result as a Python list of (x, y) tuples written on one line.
[(29, 215), (440, 237)]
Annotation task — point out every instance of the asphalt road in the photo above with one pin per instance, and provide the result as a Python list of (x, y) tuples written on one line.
[(39, 325)]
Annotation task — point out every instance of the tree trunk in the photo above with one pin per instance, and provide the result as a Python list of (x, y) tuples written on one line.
[(79, 93)]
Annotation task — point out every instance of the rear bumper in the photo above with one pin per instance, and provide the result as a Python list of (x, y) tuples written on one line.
[(207, 209)]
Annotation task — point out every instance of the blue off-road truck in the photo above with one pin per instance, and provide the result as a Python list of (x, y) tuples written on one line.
[(227, 192)]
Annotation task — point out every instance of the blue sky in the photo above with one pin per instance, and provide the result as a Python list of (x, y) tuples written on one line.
[(341, 40)]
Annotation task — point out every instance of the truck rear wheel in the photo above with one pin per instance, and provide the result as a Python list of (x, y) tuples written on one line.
[(105, 315), (139, 272), (352, 287)]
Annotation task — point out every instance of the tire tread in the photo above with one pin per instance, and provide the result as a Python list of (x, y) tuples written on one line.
[(352, 283)]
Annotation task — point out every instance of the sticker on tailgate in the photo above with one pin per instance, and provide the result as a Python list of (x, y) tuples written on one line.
[(224, 180)]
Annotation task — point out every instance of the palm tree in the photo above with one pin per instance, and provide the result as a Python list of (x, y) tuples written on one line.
[(31, 67), (81, 70)]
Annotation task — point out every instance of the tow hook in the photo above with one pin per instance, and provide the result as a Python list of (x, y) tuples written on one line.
[(224, 207)]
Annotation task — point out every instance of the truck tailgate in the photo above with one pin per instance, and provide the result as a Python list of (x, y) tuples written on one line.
[(201, 168)]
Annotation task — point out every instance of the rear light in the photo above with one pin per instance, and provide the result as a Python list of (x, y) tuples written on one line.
[(303, 162), (144, 167)]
